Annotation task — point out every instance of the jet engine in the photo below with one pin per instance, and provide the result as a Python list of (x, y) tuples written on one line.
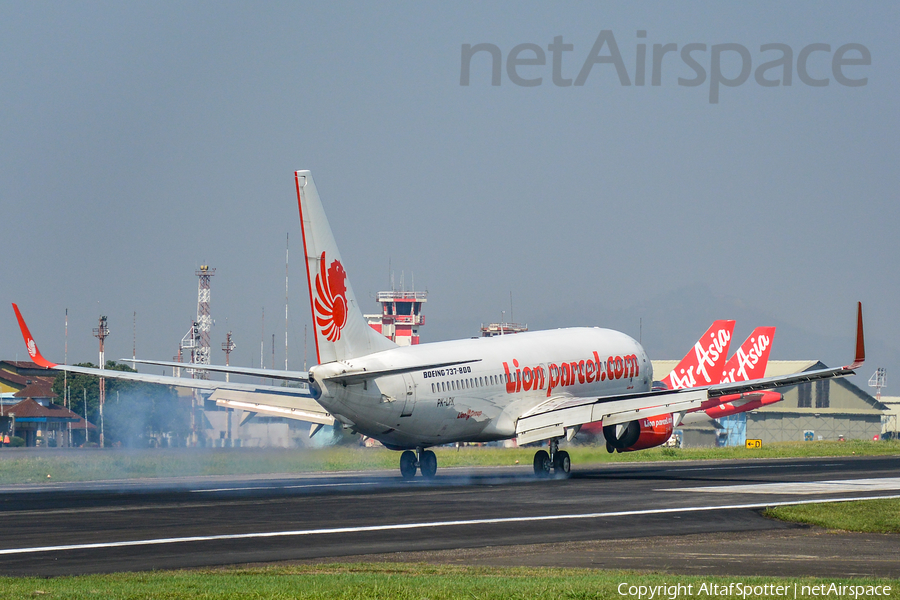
[(639, 434)]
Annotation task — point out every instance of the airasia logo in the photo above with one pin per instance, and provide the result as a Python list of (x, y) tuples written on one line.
[(331, 299), (32, 348), (748, 359), (705, 357)]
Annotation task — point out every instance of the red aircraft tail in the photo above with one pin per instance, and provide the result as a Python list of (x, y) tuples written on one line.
[(750, 360), (704, 363), (33, 351)]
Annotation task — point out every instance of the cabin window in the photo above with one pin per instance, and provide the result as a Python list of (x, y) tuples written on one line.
[(432, 388), (482, 381)]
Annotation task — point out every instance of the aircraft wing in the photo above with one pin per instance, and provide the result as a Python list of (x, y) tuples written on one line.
[(553, 418), (266, 373), (203, 384)]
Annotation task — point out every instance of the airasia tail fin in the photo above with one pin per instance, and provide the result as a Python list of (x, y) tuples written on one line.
[(341, 330), (750, 360), (704, 363)]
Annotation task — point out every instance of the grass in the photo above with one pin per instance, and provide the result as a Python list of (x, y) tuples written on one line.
[(870, 516), (18, 466), (396, 582)]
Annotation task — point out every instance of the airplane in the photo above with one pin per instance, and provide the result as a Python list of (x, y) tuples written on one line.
[(538, 386)]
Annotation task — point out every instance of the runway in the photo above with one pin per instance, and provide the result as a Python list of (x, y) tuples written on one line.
[(598, 517)]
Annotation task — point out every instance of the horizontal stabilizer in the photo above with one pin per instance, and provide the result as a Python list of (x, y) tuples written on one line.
[(271, 405)]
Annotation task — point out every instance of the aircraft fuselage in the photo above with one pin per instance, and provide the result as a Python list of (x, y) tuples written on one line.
[(479, 401)]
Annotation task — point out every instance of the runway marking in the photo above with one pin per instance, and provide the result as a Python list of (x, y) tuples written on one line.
[(800, 487), (283, 487), (426, 525), (791, 466)]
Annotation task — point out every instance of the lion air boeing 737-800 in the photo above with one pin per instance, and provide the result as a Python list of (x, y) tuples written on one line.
[(539, 386)]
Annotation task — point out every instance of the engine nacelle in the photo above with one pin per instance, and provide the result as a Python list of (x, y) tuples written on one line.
[(640, 434)]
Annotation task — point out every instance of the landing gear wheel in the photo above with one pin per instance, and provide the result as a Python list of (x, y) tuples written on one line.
[(408, 464), (428, 464), (561, 464), (609, 448), (542, 463)]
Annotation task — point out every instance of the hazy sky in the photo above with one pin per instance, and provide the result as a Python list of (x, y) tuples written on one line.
[(141, 140)]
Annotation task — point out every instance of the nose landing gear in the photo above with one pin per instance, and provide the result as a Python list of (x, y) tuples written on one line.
[(556, 459), (422, 460)]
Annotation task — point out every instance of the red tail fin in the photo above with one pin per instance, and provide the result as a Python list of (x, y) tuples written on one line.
[(33, 351), (704, 363), (860, 341), (750, 360)]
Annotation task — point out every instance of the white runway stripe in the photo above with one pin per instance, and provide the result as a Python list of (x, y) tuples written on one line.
[(400, 526), (801, 487)]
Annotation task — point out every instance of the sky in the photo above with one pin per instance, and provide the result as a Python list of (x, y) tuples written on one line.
[(141, 140)]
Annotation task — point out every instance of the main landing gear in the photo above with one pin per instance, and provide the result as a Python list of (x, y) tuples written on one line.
[(421, 460), (556, 459)]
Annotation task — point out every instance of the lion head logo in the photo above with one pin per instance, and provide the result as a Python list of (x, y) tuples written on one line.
[(32, 349), (331, 299)]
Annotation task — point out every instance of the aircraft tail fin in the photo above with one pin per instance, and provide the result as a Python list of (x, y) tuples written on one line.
[(750, 360), (341, 331), (703, 364), (30, 344)]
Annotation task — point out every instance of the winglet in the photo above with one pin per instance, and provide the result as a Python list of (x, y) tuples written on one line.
[(860, 340), (33, 351)]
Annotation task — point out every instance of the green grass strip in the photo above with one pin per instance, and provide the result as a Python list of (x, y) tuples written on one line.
[(870, 516), (422, 581)]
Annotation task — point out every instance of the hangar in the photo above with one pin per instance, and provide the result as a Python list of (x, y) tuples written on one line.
[(891, 429)]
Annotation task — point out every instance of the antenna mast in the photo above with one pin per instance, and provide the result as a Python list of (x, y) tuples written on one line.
[(877, 381), (204, 320), (287, 244), (228, 346), (101, 332)]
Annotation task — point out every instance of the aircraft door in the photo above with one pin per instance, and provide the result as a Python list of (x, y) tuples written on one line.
[(410, 396)]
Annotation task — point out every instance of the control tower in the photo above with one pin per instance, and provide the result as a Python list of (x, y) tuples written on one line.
[(401, 316)]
